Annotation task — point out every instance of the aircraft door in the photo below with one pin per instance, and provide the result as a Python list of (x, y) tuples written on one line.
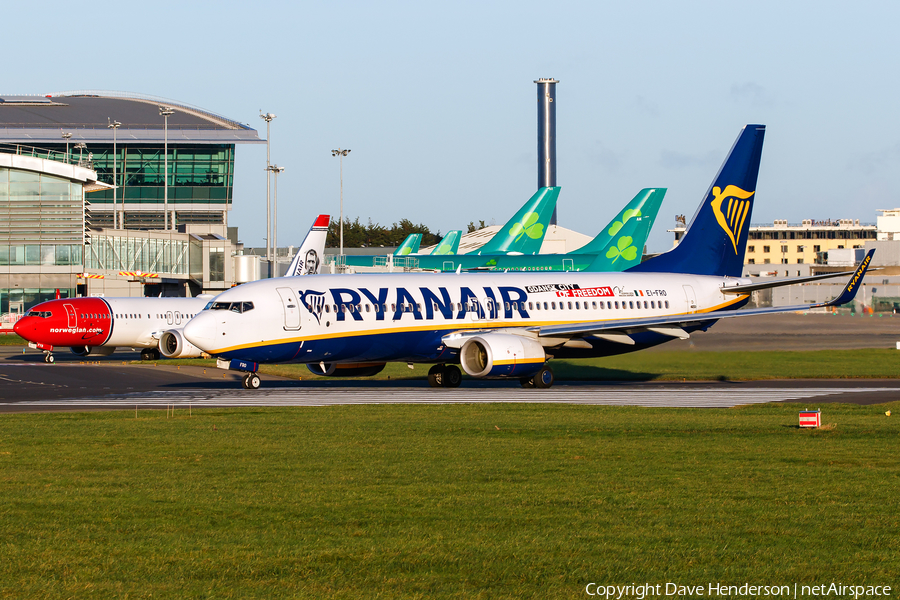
[(690, 297), (170, 318), (177, 318), (449, 265), (568, 264), (291, 308), (70, 316)]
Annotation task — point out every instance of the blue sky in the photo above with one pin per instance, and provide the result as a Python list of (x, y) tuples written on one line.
[(438, 104)]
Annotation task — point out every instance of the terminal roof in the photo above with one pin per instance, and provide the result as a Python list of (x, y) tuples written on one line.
[(86, 115)]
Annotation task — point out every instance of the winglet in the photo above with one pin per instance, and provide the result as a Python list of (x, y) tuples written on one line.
[(855, 282)]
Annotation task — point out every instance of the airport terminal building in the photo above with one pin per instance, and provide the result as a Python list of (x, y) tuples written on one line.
[(84, 201)]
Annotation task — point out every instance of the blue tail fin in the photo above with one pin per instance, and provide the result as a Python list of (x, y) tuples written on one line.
[(716, 239)]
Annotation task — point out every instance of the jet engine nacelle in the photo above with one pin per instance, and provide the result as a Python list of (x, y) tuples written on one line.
[(92, 350), (501, 355), (173, 345), (346, 369)]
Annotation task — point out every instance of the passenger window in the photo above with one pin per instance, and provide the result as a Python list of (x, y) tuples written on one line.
[(570, 306), (667, 304), (327, 308), (594, 304), (530, 305), (553, 305), (630, 304), (545, 306)]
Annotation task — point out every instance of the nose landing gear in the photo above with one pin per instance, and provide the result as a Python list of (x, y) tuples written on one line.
[(48, 358)]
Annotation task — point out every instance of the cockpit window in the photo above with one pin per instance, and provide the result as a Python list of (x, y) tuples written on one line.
[(41, 314), (238, 307)]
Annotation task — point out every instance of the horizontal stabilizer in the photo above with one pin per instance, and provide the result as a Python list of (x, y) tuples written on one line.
[(754, 287)]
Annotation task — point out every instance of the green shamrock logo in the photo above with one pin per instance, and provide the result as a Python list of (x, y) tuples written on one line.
[(529, 227), (616, 226), (443, 250), (405, 251), (491, 263), (622, 248)]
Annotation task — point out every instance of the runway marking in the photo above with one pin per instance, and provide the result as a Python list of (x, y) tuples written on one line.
[(659, 397)]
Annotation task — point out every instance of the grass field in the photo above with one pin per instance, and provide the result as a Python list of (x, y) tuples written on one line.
[(477, 501)]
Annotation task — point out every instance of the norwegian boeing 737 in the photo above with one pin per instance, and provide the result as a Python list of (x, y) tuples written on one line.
[(503, 325), (97, 326)]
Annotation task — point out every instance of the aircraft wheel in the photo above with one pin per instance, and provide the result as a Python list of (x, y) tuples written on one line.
[(145, 354), (452, 376), (49, 359), (543, 378), (436, 376), (527, 382), (251, 381)]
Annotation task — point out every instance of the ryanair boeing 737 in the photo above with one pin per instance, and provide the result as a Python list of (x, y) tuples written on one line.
[(503, 325)]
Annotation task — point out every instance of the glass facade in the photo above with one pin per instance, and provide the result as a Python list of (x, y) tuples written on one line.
[(41, 219), (150, 255), (202, 173)]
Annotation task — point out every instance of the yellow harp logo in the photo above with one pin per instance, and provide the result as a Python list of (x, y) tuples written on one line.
[(731, 219)]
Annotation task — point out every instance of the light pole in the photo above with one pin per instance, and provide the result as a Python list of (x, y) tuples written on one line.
[(66, 135), (80, 146), (275, 169), (165, 111), (341, 154), (114, 125), (268, 119)]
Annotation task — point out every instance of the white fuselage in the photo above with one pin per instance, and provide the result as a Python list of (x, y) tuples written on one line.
[(389, 317)]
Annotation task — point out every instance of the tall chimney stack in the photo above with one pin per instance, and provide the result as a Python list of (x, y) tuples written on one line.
[(546, 92)]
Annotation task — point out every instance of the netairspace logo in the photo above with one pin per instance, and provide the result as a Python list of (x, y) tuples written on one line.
[(714, 590)]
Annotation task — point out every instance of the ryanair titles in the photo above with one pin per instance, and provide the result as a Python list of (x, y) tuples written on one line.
[(457, 303)]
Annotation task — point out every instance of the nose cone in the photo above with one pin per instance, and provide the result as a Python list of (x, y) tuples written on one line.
[(21, 325), (201, 332)]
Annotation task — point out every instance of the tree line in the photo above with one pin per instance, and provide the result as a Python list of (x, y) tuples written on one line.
[(374, 235)]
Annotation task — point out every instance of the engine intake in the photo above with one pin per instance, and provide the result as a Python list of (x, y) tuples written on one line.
[(173, 345), (501, 355)]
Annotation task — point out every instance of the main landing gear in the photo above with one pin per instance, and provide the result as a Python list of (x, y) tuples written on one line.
[(150, 354), (541, 380), (251, 381), (48, 358), (448, 376)]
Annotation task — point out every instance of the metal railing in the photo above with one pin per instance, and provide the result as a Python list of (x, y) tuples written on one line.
[(48, 154)]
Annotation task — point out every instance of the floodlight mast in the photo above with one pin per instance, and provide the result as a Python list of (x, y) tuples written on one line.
[(267, 117), (276, 170), (114, 125), (341, 153), (165, 111), (66, 135)]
